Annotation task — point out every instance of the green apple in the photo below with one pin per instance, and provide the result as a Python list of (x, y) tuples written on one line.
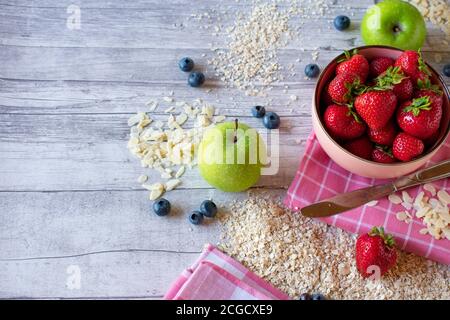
[(394, 23), (230, 156)]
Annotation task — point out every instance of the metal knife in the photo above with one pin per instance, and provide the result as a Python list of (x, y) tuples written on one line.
[(354, 199)]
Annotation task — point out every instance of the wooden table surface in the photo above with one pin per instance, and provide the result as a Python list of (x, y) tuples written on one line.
[(69, 200)]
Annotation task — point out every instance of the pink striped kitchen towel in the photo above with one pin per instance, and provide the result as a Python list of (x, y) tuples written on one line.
[(318, 177), (216, 276)]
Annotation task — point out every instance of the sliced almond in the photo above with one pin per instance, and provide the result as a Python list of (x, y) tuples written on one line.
[(430, 188), (142, 178), (172, 184), (180, 172), (444, 197), (406, 197), (156, 193), (372, 203), (395, 199)]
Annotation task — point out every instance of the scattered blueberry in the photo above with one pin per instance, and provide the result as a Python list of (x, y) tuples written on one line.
[(271, 120), (161, 207), (196, 79), (447, 70), (305, 296), (341, 22), (196, 217), (318, 296), (312, 70), (258, 111), (208, 208), (186, 64)]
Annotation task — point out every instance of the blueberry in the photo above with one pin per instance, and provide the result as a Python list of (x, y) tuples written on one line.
[(196, 217), (318, 296), (447, 70), (341, 22), (305, 296), (208, 208), (258, 111), (186, 64), (196, 79), (271, 120), (312, 70), (161, 207)]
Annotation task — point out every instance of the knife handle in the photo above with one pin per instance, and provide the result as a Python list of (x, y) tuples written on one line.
[(439, 171)]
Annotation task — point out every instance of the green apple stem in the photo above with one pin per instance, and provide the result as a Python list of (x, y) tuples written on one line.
[(235, 130)]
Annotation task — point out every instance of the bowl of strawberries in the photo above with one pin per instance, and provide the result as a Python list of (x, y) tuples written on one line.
[(381, 112)]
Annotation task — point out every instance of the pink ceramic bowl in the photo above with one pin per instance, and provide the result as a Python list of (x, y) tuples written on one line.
[(359, 165)]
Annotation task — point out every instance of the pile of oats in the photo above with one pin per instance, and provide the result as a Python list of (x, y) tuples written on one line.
[(436, 11), (298, 254), (251, 54), (168, 147)]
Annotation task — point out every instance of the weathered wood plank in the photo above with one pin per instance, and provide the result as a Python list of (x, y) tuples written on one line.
[(117, 275), (139, 25), (151, 66), (78, 223), (120, 247), (73, 97)]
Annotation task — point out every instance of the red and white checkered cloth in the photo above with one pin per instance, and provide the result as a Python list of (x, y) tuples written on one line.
[(216, 276), (318, 177)]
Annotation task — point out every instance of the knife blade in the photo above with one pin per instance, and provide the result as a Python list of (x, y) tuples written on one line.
[(350, 200)]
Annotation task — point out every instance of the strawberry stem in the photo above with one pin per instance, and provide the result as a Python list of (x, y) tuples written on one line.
[(422, 66), (426, 84), (417, 105), (379, 231), (387, 80)]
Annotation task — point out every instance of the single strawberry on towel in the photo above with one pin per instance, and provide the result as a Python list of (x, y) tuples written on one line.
[(375, 253)]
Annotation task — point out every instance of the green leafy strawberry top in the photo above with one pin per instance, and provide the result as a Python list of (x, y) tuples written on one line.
[(389, 78), (348, 55), (379, 231), (422, 66), (426, 84), (417, 105)]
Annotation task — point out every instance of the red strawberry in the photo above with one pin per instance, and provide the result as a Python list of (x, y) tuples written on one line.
[(361, 147), (384, 136), (435, 96), (341, 88), (407, 147), (379, 65), (353, 63), (413, 66), (394, 78), (342, 122), (326, 98), (382, 155), (376, 107), (375, 253), (404, 89), (419, 117)]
